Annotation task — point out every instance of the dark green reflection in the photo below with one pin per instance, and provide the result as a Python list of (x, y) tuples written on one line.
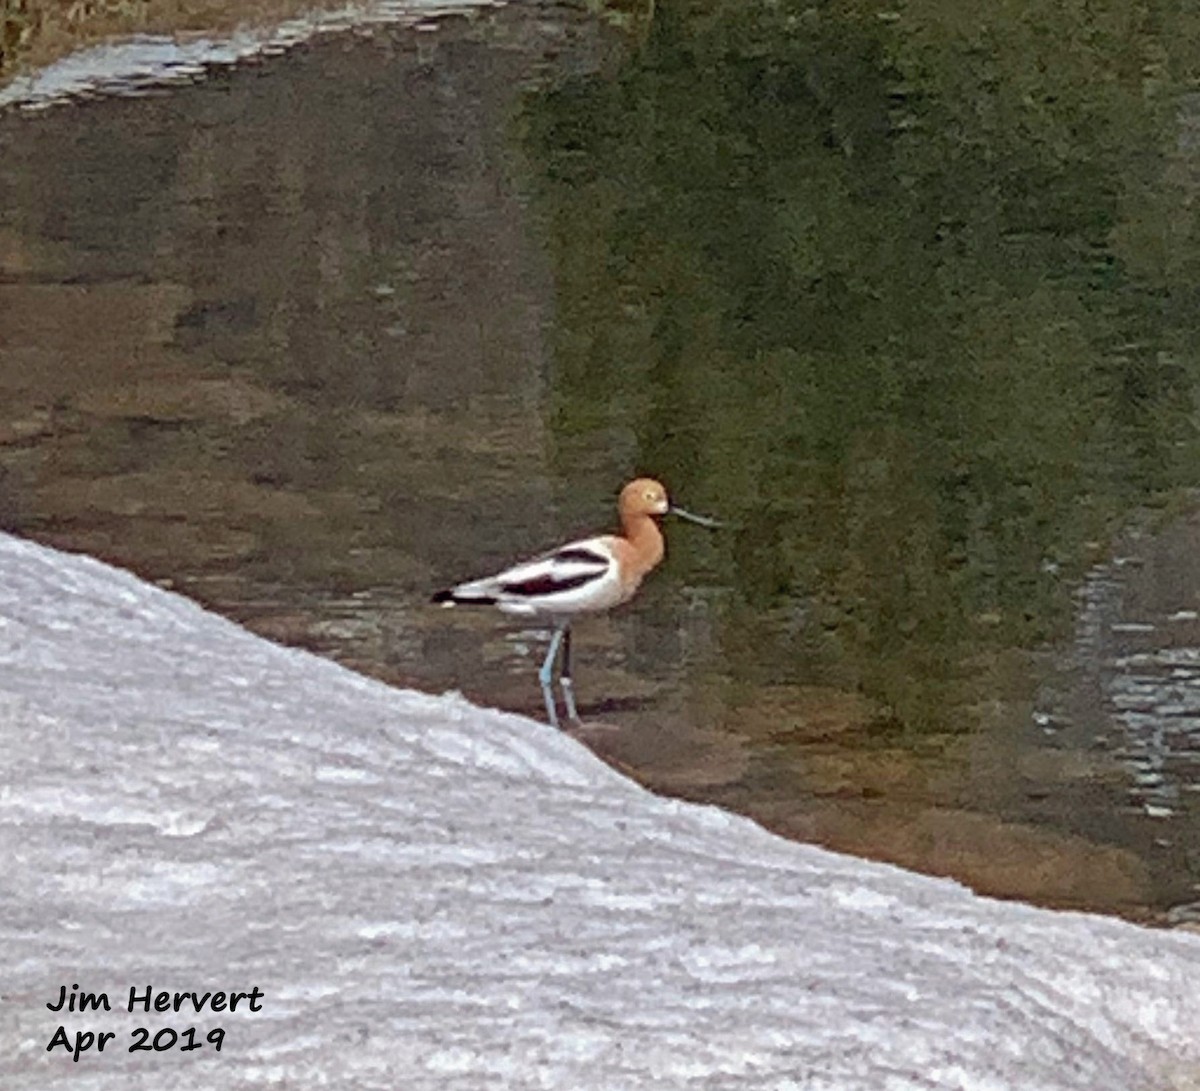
[(909, 296)]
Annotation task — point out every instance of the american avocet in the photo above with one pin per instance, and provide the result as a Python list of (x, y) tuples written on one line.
[(586, 576)]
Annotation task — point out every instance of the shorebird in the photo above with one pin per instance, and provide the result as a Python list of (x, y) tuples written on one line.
[(586, 576)]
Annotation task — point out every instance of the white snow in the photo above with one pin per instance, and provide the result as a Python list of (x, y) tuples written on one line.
[(133, 65), (430, 895)]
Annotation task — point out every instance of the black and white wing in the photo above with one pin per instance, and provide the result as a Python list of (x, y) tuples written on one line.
[(575, 577)]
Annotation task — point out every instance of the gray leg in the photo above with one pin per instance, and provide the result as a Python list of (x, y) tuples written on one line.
[(568, 686), (546, 676)]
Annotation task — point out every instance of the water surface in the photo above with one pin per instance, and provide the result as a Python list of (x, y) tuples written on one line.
[(910, 303)]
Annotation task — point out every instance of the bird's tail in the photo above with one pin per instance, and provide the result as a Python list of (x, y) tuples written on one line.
[(464, 595)]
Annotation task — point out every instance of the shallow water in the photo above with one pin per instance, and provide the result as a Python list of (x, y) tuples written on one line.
[(313, 337)]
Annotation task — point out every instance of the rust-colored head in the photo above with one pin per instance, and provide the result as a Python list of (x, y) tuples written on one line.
[(644, 496)]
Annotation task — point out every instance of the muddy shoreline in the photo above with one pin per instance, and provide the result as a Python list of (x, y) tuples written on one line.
[(38, 32)]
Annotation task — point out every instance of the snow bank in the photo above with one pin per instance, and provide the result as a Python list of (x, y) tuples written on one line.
[(428, 895)]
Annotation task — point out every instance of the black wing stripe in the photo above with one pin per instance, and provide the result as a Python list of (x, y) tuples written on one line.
[(548, 583), (581, 553)]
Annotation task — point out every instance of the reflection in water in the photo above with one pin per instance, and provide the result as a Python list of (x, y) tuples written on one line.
[(913, 308), (927, 360), (910, 296), (1131, 687)]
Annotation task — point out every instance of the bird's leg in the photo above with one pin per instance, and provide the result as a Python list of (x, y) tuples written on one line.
[(568, 686), (546, 676)]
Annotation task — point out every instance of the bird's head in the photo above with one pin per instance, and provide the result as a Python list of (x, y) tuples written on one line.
[(644, 496)]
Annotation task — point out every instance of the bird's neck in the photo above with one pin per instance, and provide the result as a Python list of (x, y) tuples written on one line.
[(642, 533)]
